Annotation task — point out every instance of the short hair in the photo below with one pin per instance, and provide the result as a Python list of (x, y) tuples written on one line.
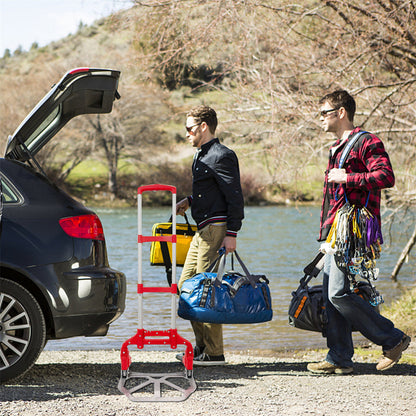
[(203, 113), (341, 98)]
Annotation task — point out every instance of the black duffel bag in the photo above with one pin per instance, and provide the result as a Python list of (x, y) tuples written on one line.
[(307, 309)]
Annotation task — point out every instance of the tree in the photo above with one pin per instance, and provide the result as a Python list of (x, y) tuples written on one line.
[(110, 138), (129, 130), (277, 60), (385, 30)]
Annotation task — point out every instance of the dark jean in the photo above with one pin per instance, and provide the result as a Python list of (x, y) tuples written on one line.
[(346, 310)]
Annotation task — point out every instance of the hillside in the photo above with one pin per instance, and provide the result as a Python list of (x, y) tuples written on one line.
[(262, 67)]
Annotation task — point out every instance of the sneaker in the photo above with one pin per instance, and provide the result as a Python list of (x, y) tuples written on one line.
[(324, 367), (392, 356), (206, 360), (197, 351)]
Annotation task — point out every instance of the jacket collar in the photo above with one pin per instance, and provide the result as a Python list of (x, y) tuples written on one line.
[(206, 146)]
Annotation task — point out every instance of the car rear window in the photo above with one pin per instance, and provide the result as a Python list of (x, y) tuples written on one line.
[(44, 127), (8, 193)]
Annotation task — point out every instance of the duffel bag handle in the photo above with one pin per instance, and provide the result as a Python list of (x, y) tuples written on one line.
[(315, 266), (313, 269), (186, 220), (221, 268), (253, 279)]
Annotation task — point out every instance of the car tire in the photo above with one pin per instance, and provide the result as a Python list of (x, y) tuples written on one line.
[(22, 330)]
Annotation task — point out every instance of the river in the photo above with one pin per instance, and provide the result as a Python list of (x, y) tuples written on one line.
[(276, 241)]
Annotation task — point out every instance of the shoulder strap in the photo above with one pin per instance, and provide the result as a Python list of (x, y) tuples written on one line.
[(348, 147), (343, 158)]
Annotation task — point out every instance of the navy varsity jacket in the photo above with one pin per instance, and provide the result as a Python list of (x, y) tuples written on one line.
[(216, 189)]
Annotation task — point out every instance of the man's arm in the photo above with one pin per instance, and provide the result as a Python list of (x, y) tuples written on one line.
[(228, 178), (380, 172)]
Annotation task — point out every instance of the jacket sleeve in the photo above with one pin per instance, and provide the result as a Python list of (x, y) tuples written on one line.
[(228, 179), (379, 173)]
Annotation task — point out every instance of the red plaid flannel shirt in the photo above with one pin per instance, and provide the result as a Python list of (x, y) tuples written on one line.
[(369, 170)]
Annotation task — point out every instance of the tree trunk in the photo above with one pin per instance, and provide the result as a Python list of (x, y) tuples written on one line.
[(112, 167), (403, 256), (112, 182)]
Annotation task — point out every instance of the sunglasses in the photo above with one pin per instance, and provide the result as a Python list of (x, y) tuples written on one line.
[(189, 129), (323, 113)]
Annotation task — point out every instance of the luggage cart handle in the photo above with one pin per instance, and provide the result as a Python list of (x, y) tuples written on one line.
[(156, 187)]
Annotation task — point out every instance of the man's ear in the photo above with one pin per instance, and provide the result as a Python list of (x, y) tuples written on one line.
[(204, 126), (342, 113)]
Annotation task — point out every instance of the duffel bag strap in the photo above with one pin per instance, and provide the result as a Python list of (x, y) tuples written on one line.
[(313, 269), (315, 266), (252, 279), (166, 259), (187, 223), (221, 268)]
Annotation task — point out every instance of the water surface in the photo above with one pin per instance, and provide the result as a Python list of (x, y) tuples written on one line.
[(275, 241)]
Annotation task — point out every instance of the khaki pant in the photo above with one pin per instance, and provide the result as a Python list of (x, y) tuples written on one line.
[(202, 252)]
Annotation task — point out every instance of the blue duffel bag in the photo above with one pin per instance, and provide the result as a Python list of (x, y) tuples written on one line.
[(230, 298)]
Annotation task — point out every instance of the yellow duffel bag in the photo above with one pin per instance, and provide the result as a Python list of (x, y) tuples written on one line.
[(161, 251)]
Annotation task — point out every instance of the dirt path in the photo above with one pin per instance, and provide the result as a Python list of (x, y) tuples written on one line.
[(85, 383)]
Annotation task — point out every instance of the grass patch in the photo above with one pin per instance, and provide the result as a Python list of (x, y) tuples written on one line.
[(88, 169), (403, 312), (373, 355)]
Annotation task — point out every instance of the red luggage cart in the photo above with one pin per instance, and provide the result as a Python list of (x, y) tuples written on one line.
[(136, 386)]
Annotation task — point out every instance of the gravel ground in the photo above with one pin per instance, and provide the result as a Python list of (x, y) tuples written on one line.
[(254, 383)]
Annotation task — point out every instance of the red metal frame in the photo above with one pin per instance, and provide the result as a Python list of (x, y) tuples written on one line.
[(163, 337), (166, 337)]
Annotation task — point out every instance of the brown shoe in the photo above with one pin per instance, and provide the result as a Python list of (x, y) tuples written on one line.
[(392, 356), (324, 367)]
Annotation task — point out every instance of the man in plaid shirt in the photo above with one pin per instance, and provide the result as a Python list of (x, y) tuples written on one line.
[(366, 170)]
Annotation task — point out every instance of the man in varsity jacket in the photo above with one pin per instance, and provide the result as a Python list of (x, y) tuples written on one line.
[(217, 207)]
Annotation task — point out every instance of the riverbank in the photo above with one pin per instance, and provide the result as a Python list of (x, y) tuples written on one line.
[(85, 383)]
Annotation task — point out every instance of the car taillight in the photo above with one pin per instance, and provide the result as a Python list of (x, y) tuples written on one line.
[(83, 226)]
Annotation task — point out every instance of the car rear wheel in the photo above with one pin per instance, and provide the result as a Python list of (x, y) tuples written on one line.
[(22, 330)]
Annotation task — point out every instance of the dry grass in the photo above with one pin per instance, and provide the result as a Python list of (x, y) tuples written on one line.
[(403, 312)]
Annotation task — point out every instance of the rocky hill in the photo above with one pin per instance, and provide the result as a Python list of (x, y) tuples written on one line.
[(262, 66)]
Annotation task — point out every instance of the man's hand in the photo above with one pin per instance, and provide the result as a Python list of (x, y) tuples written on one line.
[(182, 206), (337, 176), (230, 244)]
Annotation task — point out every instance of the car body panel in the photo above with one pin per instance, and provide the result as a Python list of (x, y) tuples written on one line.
[(79, 293), (29, 237), (83, 294)]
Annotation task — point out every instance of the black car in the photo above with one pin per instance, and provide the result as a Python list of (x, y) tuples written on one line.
[(55, 279)]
